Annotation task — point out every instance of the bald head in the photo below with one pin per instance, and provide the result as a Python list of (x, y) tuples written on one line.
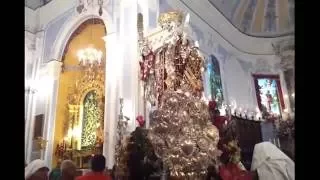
[(68, 168)]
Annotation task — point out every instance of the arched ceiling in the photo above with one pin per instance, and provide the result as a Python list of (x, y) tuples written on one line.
[(35, 4), (260, 18)]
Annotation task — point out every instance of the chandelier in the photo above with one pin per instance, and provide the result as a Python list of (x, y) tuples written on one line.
[(89, 56)]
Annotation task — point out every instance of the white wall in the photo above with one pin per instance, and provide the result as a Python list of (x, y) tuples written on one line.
[(52, 10), (30, 20)]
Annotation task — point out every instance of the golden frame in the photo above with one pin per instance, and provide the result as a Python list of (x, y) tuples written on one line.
[(91, 80)]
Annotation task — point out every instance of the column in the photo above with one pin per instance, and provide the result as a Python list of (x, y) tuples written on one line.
[(129, 44), (51, 81), (33, 88), (113, 67)]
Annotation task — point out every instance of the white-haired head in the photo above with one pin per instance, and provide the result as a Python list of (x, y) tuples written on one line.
[(68, 168), (66, 164)]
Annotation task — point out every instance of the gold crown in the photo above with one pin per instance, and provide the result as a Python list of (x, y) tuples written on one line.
[(172, 16)]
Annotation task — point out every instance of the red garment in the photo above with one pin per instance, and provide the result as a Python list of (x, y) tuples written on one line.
[(233, 172), (219, 122), (94, 176)]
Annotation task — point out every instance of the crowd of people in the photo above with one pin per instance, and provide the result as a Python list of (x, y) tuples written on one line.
[(268, 163), (38, 170)]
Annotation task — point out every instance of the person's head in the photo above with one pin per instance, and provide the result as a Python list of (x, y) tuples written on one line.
[(68, 168), (36, 170), (98, 163)]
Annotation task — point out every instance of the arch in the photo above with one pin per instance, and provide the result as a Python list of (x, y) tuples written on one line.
[(78, 31), (72, 25)]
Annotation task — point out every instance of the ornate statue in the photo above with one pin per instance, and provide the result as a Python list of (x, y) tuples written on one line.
[(176, 64), (180, 133)]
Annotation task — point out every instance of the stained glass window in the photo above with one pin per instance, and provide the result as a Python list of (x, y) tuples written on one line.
[(215, 84)]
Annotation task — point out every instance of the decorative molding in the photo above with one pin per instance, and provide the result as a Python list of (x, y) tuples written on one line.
[(84, 6), (270, 17), (30, 90), (248, 16), (262, 66), (245, 65), (68, 68), (285, 51), (53, 69)]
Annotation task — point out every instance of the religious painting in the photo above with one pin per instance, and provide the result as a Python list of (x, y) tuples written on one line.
[(215, 83), (90, 121), (269, 93)]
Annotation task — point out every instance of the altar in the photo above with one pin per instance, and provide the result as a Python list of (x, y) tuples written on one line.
[(85, 117)]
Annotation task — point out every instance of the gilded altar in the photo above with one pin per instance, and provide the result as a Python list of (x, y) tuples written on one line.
[(84, 128)]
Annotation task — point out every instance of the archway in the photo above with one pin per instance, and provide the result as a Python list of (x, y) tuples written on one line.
[(75, 82)]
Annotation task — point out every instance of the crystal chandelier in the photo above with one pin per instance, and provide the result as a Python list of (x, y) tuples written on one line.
[(89, 56)]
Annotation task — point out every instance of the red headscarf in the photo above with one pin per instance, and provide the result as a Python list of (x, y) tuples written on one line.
[(220, 121), (233, 172), (140, 120), (212, 105)]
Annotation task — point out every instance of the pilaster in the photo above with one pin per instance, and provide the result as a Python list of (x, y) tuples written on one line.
[(50, 78), (36, 48)]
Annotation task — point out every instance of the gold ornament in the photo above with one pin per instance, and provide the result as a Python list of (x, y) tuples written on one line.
[(183, 136), (168, 17)]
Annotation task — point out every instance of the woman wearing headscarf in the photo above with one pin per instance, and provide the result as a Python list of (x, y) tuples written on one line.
[(36, 170), (271, 163)]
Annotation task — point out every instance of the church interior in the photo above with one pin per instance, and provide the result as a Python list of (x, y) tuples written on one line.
[(163, 89)]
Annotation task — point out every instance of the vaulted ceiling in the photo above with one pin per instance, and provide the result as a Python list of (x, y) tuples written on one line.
[(262, 18), (35, 4)]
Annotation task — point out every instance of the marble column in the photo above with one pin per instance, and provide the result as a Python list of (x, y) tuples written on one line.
[(50, 79), (113, 66), (32, 89), (129, 44)]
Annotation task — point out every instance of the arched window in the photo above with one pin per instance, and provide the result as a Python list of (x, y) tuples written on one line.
[(215, 84), (90, 120)]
